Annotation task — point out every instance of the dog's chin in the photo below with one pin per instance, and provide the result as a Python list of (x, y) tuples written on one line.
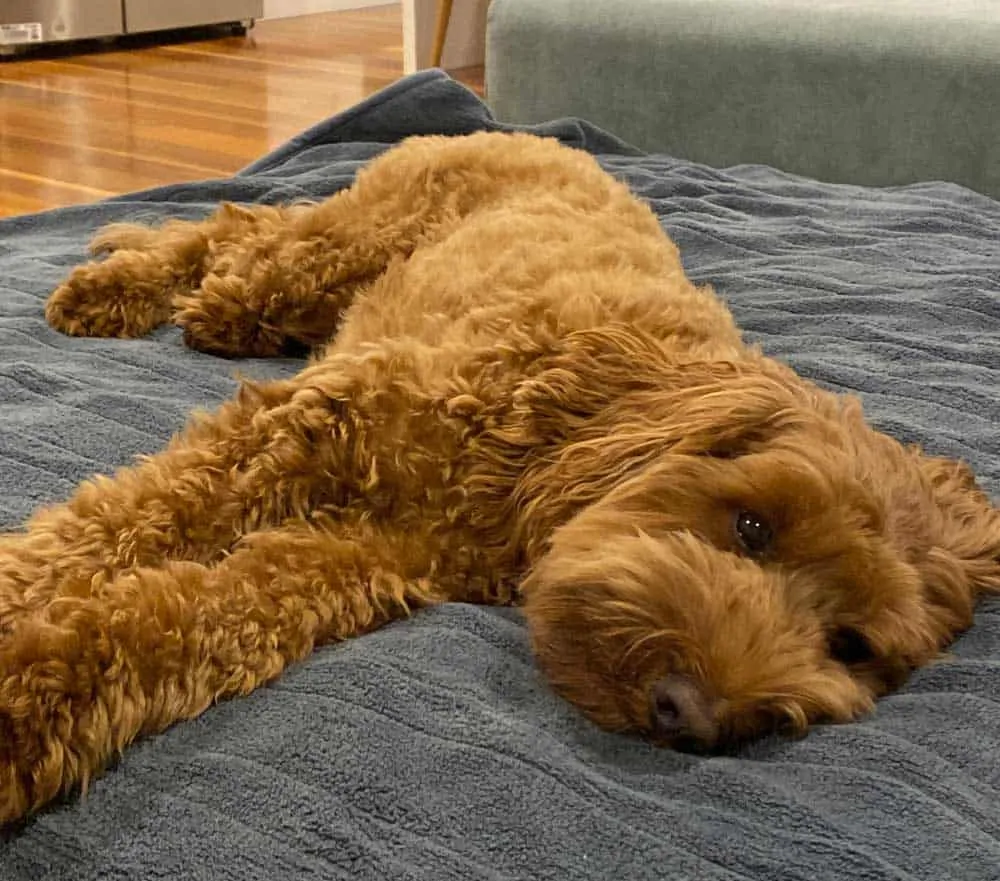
[(691, 647)]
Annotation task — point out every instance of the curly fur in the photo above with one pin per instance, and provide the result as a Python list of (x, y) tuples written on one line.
[(521, 396)]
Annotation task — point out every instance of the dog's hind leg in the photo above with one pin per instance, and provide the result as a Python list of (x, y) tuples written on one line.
[(270, 295), (130, 292), (264, 281), (87, 675), (245, 282), (267, 296)]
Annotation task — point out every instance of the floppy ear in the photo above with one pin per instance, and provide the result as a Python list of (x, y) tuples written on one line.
[(962, 530), (970, 523), (619, 385), (607, 402)]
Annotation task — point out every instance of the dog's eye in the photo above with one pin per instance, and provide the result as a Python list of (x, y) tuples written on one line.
[(849, 646), (753, 532)]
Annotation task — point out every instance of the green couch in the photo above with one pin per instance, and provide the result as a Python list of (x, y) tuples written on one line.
[(877, 92)]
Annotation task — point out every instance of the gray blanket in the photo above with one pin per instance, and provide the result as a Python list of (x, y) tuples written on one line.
[(432, 749)]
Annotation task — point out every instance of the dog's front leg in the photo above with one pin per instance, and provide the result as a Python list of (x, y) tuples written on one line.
[(87, 675), (192, 501)]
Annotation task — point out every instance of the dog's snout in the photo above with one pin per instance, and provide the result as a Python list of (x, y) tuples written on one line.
[(683, 713)]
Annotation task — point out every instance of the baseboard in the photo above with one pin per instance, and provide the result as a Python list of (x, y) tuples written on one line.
[(291, 8)]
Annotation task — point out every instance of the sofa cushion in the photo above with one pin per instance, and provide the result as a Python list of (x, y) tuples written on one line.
[(868, 92)]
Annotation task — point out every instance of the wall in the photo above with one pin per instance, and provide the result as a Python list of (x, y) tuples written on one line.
[(466, 40)]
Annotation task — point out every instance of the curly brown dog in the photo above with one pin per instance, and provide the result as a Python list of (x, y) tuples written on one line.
[(523, 397)]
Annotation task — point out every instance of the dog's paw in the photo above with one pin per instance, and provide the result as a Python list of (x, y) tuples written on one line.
[(53, 732), (107, 300), (23, 728), (222, 318), (14, 799)]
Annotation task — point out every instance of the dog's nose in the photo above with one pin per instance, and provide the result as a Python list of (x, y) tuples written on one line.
[(682, 713)]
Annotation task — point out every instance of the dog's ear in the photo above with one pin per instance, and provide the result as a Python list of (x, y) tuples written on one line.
[(963, 560), (618, 386), (970, 523), (608, 402), (585, 373)]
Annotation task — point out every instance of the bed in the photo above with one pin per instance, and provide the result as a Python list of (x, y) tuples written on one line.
[(433, 749)]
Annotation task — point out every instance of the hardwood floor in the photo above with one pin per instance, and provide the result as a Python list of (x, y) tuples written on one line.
[(75, 128)]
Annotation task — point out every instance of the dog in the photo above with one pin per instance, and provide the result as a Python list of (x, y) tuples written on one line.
[(515, 395)]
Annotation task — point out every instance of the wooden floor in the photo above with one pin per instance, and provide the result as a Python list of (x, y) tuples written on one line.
[(75, 128)]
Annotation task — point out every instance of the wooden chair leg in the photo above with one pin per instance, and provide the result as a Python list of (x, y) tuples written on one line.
[(440, 31)]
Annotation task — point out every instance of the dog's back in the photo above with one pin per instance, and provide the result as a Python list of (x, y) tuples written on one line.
[(530, 236)]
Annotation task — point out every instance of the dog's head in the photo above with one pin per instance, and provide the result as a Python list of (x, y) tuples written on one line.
[(724, 550)]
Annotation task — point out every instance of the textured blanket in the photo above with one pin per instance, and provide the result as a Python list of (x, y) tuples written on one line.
[(432, 749)]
